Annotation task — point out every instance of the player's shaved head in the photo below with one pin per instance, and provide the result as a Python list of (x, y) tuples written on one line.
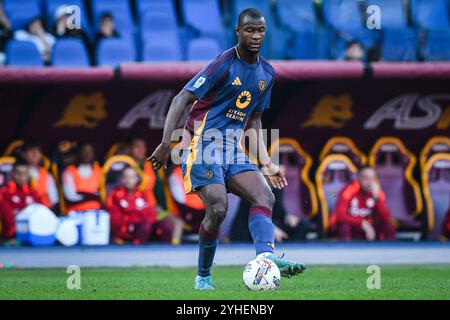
[(250, 31), (251, 13)]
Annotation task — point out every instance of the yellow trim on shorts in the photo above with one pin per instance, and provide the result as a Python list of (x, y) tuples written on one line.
[(192, 156)]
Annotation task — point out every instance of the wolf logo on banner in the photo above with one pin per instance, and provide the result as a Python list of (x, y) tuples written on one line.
[(83, 111), (333, 112)]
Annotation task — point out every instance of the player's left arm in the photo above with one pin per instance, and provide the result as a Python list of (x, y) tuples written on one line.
[(270, 170)]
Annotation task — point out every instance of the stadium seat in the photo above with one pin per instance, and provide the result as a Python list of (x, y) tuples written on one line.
[(202, 49), (20, 12), (342, 15), (393, 13), (298, 16), (157, 22), (6, 165), (299, 197), (111, 172), (399, 45), (23, 53), (112, 52), (14, 149), (194, 11), (70, 53), (52, 6), (117, 148), (334, 173), (143, 6), (439, 144), (436, 189), (305, 46), (437, 47), (160, 51), (430, 14), (345, 146), (394, 165)]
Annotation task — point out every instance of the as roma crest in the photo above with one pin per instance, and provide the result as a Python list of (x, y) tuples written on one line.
[(262, 85)]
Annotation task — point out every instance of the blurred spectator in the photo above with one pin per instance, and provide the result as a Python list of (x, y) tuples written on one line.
[(5, 32), (61, 27), (42, 180), (132, 217), (81, 182), (16, 195), (153, 186), (36, 33), (107, 28), (361, 210), (354, 51)]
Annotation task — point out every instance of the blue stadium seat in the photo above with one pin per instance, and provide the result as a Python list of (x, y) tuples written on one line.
[(194, 11), (430, 14), (156, 22), (23, 53), (21, 12), (160, 50), (393, 14), (143, 6), (297, 15), (52, 5), (160, 6), (342, 14), (202, 49), (306, 46), (399, 45), (437, 46), (112, 52), (70, 53)]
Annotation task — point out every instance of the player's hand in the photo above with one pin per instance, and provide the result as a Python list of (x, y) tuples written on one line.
[(160, 156), (280, 235), (368, 230), (274, 176), (291, 220), (375, 190)]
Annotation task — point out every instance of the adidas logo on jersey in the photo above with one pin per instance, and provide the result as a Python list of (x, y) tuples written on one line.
[(237, 82)]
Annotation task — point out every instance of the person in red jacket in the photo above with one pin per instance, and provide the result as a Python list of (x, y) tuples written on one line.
[(361, 210), (132, 216), (16, 195)]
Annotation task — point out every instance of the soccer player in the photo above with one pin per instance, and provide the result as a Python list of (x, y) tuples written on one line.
[(229, 94), (361, 210)]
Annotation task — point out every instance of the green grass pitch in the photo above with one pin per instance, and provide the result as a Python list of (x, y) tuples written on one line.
[(318, 282)]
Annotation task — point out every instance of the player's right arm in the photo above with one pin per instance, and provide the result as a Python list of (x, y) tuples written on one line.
[(176, 110)]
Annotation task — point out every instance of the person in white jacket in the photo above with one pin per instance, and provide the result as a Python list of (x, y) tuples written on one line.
[(36, 33)]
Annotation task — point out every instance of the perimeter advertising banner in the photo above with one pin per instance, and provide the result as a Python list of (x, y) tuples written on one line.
[(309, 110)]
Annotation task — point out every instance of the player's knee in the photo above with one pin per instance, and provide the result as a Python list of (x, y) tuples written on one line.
[(218, 210), (265, 199)]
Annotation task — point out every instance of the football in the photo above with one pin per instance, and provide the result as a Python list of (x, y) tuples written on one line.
[(261, 274)]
